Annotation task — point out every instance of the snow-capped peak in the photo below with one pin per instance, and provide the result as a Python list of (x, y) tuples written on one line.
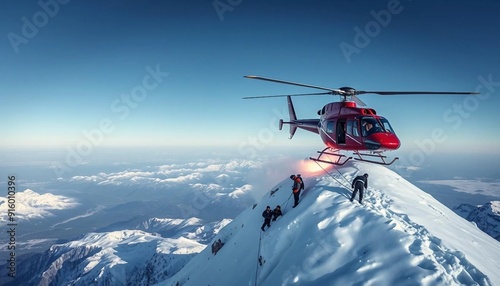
[(126, 257), (400, 235)]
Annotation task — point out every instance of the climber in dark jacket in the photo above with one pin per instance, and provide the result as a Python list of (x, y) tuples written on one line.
[(360, 183), (277, 212), (268, 215)]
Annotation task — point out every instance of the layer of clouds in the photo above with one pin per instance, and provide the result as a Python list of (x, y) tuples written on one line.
[(29, 205), (173, 173), (483, 187), (212, 188)]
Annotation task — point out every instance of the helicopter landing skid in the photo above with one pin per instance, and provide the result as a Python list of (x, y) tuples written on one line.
[(377, 155), (340, 159)]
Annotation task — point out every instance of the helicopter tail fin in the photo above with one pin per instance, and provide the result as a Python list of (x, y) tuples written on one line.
[(293, 116), (306, 124)]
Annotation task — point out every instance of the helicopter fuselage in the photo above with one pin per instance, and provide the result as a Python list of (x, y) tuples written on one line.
[(345, 126)]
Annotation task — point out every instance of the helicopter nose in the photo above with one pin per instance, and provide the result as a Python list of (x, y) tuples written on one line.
[(392, 145), (391, 142), (383, 141)]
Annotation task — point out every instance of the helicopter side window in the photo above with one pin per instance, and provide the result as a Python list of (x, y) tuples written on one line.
[(352, 128), (330, 127)]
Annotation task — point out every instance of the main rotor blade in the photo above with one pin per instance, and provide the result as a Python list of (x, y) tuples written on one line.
[(283, 95), (358, 101), (292, 83), (414, 92)]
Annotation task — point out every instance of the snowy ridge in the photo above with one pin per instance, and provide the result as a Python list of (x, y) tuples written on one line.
[(159, 224), (128, 257), (486, 217), (399, 236), (191, 228)]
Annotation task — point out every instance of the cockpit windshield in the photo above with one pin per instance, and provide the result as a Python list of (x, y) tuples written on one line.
[(371, 125), (387, 126)]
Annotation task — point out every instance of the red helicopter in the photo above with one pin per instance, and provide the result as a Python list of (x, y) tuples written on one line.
[(343, 126)]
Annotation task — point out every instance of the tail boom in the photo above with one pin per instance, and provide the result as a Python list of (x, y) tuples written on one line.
[(311, 125)]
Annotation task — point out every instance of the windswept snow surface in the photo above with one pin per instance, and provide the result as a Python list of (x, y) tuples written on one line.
[(400, 235)]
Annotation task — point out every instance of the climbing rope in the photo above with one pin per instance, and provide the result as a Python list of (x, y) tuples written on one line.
[(338, 171), (258, 259), (286, 202), (343, 185)]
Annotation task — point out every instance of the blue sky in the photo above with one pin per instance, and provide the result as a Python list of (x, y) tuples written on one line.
[(67, 67)]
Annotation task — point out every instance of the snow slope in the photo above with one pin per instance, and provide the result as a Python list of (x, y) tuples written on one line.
[(399, 236)]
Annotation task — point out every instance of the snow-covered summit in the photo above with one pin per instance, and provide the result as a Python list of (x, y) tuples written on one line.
[(400, 235)]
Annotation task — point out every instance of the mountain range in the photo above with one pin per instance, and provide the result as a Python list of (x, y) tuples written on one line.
[(398, 235)]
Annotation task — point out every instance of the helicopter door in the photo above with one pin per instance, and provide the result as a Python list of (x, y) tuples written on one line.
[(328, 134), (341, 128), (353, 132)]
